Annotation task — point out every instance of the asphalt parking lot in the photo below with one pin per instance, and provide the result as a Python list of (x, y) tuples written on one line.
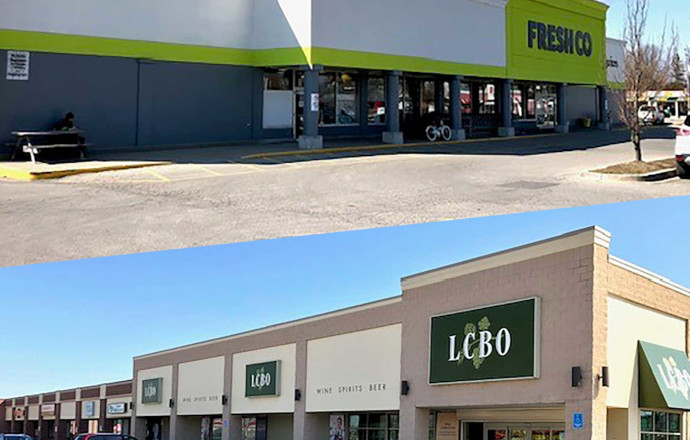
[(219, 195)]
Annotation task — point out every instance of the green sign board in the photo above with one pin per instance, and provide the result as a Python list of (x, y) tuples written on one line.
[(151, 390), (664, 379), (498, 342), (262, 379)]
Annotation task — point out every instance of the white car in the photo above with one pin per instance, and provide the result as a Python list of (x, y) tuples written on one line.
[(651, 115), (682, 150)]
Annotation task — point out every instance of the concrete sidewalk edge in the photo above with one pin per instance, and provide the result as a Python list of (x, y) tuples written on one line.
[(28, 175), (329, 150)]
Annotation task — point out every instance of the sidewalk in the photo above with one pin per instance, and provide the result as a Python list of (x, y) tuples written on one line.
[(36, 171)]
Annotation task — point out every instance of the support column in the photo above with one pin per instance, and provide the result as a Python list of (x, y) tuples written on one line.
[(604, 123), (392, 135), (563, 125), (414, 422), (232, 424), (456, 109), (310, 139), (507, 129)]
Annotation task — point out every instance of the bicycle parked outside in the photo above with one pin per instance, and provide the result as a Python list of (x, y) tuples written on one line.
[(438, 130)]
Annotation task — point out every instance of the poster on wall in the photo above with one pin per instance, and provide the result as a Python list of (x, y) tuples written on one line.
[(447, 426), (315, 102), (336, 430), (17, 65)]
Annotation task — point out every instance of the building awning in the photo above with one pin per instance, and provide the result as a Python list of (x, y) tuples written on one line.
[(664, 379)]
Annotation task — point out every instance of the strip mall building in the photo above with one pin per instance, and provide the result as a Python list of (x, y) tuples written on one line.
[(173, 72), (553, 340)]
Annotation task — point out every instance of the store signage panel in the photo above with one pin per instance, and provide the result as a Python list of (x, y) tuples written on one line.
[(48, 409), (664, 377), (357, 371), (151, 390), (89, 409), (554, 38), (117, 408), (447, 426), (19, 413), (491, 343), (17, 65), (200, 387), (262, 380)]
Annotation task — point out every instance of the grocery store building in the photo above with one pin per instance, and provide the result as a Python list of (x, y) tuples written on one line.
[(557, 339), (167, 72)]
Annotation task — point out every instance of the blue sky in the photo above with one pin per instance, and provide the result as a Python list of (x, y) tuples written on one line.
[(660, 11), (79, 323)]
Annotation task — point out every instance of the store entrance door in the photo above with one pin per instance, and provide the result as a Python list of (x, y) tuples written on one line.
[(523, 432), (546, 108), (417, 105)]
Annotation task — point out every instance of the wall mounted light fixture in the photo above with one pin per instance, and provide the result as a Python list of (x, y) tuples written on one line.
[(405, 388), (171, 403), (604, 376), (575, 377), (298, 395), (224, 400)]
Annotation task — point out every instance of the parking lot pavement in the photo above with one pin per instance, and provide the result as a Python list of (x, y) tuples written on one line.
[(205, 202)]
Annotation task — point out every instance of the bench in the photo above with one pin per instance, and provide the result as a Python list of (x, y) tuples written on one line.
[(33, 142)]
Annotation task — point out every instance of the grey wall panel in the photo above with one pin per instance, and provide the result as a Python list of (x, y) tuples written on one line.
[(582, 103), (101, 91), (196, 103)]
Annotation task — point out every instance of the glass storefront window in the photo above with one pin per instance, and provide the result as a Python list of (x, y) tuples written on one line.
[(373, 426), (248, 428), (466, 98), (432, 425), (376, 101), (338, 98), (487, 99), (278, 80), (428, 104), (659, 425), (517, 98)]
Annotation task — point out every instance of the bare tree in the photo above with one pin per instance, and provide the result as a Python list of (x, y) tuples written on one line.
[(647, 67)]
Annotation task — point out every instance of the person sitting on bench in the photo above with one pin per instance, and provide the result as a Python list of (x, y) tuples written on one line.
[(66, 123)]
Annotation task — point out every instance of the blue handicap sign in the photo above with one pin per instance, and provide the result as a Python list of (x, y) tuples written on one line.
[(578, 420)]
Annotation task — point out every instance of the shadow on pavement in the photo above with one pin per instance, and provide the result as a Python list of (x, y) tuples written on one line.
[(517, 146)]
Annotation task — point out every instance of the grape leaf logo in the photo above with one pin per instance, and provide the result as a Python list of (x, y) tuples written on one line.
[(483, 324)]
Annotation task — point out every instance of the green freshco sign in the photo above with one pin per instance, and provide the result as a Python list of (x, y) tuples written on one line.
[(492, 343), (151, 390), (262, 379)]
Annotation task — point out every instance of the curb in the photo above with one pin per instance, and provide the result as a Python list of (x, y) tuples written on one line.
[(26, 175), (655, 176), (386, 146)]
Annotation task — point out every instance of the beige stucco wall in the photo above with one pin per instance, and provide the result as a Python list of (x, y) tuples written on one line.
[(155, 409), (563, 282), (68, 410), (283, 403), (629, 323), (200, 387)]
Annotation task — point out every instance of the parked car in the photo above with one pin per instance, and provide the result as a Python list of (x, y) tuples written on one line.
[(649, 114), (682, 149), (104, 436), (15, 437)]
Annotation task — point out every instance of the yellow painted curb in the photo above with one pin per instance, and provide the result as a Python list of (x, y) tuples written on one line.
[(26, 175), (386, 146)]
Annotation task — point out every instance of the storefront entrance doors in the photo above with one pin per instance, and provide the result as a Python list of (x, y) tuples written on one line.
[(523, 432)]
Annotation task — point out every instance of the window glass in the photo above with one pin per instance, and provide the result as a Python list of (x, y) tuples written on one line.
[(346, 100), (660, 424), (428, 104), (541, 434), (487, 99), (376, 101), (432, 425), (280, 80), (376, 421), (517, 93), (327, 98), (646, 421), (674, 423), (530, 110), (466, 98), (558, 435)]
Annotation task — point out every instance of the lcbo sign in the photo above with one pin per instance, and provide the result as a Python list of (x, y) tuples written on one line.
[(151, 390), (263, 379), (491, 343)]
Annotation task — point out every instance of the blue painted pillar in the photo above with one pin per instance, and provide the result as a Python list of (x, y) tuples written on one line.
[(563, 125), (392, 135), (311, 139), (506, 129), (456, 108)]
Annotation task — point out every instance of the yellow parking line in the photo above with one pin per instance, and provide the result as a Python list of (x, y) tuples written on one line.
[(160, 176), (215, 173)]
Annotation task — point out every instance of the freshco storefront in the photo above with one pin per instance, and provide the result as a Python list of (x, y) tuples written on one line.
[(553, 340), (235, 70)]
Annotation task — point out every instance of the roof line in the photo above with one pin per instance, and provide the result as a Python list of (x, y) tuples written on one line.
[(347, 310)]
